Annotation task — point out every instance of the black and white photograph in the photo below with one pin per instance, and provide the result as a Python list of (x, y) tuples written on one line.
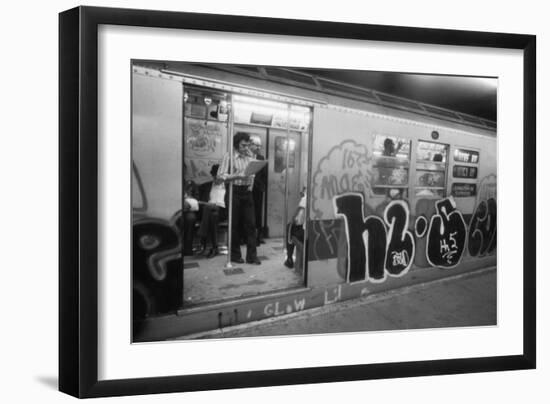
[(273, 200)]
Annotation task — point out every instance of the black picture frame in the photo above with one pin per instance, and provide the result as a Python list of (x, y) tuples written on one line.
[(78, 201)]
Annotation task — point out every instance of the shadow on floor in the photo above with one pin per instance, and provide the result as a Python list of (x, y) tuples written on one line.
[(49, 381)]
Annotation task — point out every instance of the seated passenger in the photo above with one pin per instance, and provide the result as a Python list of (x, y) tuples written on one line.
[(208, 230), (295, 229)]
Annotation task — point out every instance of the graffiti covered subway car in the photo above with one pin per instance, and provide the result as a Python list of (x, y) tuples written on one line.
[(388, 187)]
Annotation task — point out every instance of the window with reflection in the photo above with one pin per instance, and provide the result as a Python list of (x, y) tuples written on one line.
[(466, 156), (431, 169), (391, 166)]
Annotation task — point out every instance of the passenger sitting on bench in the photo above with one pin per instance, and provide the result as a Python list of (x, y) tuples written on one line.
[(295, 230), (208, 230)]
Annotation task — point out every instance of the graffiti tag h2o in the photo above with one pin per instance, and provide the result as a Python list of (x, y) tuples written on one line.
[(376, 247)]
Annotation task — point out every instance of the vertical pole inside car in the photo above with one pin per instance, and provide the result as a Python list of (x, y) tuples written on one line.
[(230, 207)]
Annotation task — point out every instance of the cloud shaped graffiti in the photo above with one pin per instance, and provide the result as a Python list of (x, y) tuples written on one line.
[(346, 168)]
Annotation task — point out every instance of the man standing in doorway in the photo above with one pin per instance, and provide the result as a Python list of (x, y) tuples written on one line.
[(242, 209), (259, 188)]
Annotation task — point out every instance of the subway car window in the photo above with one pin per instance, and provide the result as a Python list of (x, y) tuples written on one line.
[(431, 169), (465, 173), (391, 166), (466, 156)]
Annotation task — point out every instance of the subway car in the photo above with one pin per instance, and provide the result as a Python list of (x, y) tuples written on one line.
[(380, 186)]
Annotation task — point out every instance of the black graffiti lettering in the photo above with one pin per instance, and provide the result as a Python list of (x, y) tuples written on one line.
[(156, 267), (420, 226), (400, 250), (482, 235), (446, 235), (153, 243), (366, 239), (493, 243)]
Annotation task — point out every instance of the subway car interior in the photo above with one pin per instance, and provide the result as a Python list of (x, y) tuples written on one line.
[(282, 130)]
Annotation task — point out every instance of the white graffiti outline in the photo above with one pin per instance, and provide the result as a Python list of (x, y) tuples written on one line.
[(157, 262), (419, 219)]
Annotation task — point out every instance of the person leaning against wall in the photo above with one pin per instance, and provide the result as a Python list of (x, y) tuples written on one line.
[(242, 209), (211, 213)]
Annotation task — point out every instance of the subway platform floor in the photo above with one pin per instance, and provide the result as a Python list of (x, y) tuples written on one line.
[(208, 280), (465, 300)]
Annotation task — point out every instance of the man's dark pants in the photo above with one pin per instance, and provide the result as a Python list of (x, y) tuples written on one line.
[(243, 217), (258, 197)]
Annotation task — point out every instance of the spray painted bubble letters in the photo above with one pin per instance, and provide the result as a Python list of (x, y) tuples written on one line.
[(446, 235), (376, 247)]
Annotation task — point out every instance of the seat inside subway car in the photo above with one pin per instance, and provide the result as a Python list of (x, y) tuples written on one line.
[(357, 190)]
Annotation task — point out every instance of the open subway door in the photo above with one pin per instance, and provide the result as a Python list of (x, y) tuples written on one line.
[(282, 130)]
